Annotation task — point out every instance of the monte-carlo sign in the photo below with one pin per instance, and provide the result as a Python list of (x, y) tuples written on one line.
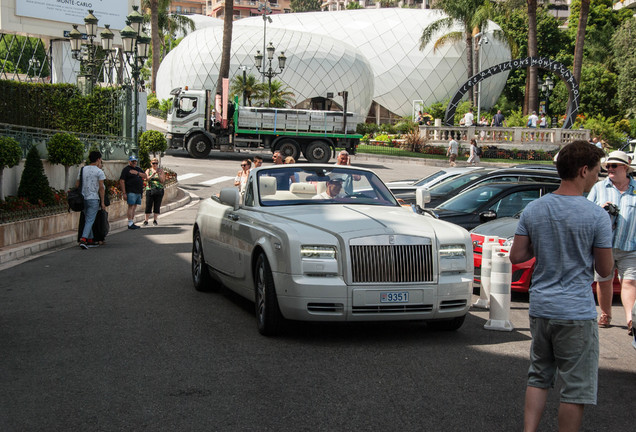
[(553, 66), (111, 12)]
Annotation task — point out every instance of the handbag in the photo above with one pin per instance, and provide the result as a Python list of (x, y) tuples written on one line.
[(74, 196), (101, 226)]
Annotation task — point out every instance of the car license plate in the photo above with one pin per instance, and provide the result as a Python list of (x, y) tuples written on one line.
[(394, 297)]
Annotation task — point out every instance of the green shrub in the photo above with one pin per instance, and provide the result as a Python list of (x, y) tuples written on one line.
[(67, 150), (605, 130), (34, 185), (10, 156), (366, 128), (151, 141), (405, 126)]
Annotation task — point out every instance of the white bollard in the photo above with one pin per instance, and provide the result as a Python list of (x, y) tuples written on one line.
[(486, 258), (500, 284)]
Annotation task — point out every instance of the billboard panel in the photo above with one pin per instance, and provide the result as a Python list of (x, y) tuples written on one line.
[(111, 12)]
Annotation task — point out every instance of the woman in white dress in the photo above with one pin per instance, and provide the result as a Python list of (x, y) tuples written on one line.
[(241, 176)]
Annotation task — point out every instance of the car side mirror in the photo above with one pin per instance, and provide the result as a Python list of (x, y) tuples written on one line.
[(422, 196), (487, 215), (230, 196)]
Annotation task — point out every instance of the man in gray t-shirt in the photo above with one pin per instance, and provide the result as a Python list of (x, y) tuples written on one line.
[(569, 238)]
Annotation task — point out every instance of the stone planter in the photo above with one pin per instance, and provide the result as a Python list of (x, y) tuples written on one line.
[(38, 228)]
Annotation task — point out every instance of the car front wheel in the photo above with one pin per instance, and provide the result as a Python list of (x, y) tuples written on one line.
[(200, 273), (268, 316)]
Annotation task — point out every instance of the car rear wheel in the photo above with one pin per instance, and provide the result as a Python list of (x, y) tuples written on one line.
[(268, 316), (200, 273), (447, 325)]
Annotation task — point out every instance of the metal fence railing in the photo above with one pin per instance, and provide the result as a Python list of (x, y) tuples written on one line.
[(112, 147)]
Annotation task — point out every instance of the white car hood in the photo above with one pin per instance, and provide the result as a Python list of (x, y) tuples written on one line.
[(358, 220)]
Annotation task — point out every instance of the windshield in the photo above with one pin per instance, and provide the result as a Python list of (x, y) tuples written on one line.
[(470, 200), (302, 185), (430, 178), (449, 185)]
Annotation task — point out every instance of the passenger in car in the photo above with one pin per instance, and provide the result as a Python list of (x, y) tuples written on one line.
[(334, 190)]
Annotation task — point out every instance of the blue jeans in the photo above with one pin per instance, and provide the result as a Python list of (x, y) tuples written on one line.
[(90, 212)]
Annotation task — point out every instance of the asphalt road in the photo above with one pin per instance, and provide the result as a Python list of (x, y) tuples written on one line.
[(115, 338)]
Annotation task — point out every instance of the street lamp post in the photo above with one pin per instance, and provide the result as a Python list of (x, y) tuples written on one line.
[(268, 71), (483, 40), (546, 86), (136, 44), (244, 69), (87, 79), (265, 10)]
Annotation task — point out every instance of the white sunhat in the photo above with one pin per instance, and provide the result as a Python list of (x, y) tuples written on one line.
[(619, 157)]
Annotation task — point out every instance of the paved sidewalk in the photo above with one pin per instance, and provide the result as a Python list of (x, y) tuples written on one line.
[(15, 254)]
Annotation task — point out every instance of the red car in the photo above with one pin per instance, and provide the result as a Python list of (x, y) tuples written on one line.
[(505, 228)]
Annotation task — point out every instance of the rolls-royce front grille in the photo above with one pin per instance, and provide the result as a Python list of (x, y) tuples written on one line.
[(391, 263)]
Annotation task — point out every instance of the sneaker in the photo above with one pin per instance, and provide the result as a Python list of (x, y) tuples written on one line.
[(604, 321), (133, 226), (82, 243), (91, 243), (145, 223), (155, 223)]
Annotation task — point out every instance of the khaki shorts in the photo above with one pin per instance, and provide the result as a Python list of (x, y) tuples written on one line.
[(625, 262), (452, 157), (568, 349)]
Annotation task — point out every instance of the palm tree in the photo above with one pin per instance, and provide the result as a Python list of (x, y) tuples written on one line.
[(162, 23), (280, 96), (580, 40), (463, 11), (252, 87), (224, 69), (531, 102)]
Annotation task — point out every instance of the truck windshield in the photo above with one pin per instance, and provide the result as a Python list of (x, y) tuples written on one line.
[(187, 105), (300, 185)]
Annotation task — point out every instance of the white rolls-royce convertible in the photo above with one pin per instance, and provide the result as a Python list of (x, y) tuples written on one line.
[(331, 243)]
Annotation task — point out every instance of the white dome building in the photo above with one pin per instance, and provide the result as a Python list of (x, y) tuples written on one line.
[(372, 53)]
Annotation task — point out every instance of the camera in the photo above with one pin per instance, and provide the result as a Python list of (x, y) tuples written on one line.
[(612, 209)]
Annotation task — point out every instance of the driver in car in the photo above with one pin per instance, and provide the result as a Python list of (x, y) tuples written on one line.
[(334, 190)]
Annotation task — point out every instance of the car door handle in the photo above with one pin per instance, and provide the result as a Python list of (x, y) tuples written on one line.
[(233, 217)]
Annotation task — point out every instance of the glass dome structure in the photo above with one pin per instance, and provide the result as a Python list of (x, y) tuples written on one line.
[(372, 53)]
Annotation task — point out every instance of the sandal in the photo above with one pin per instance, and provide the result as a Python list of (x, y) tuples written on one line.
[(604, 321)]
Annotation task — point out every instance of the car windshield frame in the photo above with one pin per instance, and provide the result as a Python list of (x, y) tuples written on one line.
[(298, 184)]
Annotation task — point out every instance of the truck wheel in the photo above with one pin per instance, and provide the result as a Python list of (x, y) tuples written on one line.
[(318, 152), (199, 146), (288, 147)]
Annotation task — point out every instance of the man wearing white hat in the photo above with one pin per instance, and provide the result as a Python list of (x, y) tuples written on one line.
[(619, 189)]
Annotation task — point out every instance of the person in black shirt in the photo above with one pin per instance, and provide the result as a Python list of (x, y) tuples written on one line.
[(131, 182)]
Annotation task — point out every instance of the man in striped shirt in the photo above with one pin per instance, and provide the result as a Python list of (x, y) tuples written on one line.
[(619, 189)]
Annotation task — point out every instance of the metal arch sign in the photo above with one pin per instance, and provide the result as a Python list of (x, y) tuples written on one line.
[(542, 63)]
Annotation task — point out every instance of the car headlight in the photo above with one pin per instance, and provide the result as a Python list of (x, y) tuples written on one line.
[(318, 252), (452, 257), (319, 260), (450, 251)]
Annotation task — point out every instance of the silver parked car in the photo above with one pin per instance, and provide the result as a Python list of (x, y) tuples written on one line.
[(331, 243)]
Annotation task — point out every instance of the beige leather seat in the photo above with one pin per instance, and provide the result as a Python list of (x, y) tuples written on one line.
[(267, 185)]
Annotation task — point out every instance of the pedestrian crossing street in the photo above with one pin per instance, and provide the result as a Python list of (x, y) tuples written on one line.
[(204, 182)]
